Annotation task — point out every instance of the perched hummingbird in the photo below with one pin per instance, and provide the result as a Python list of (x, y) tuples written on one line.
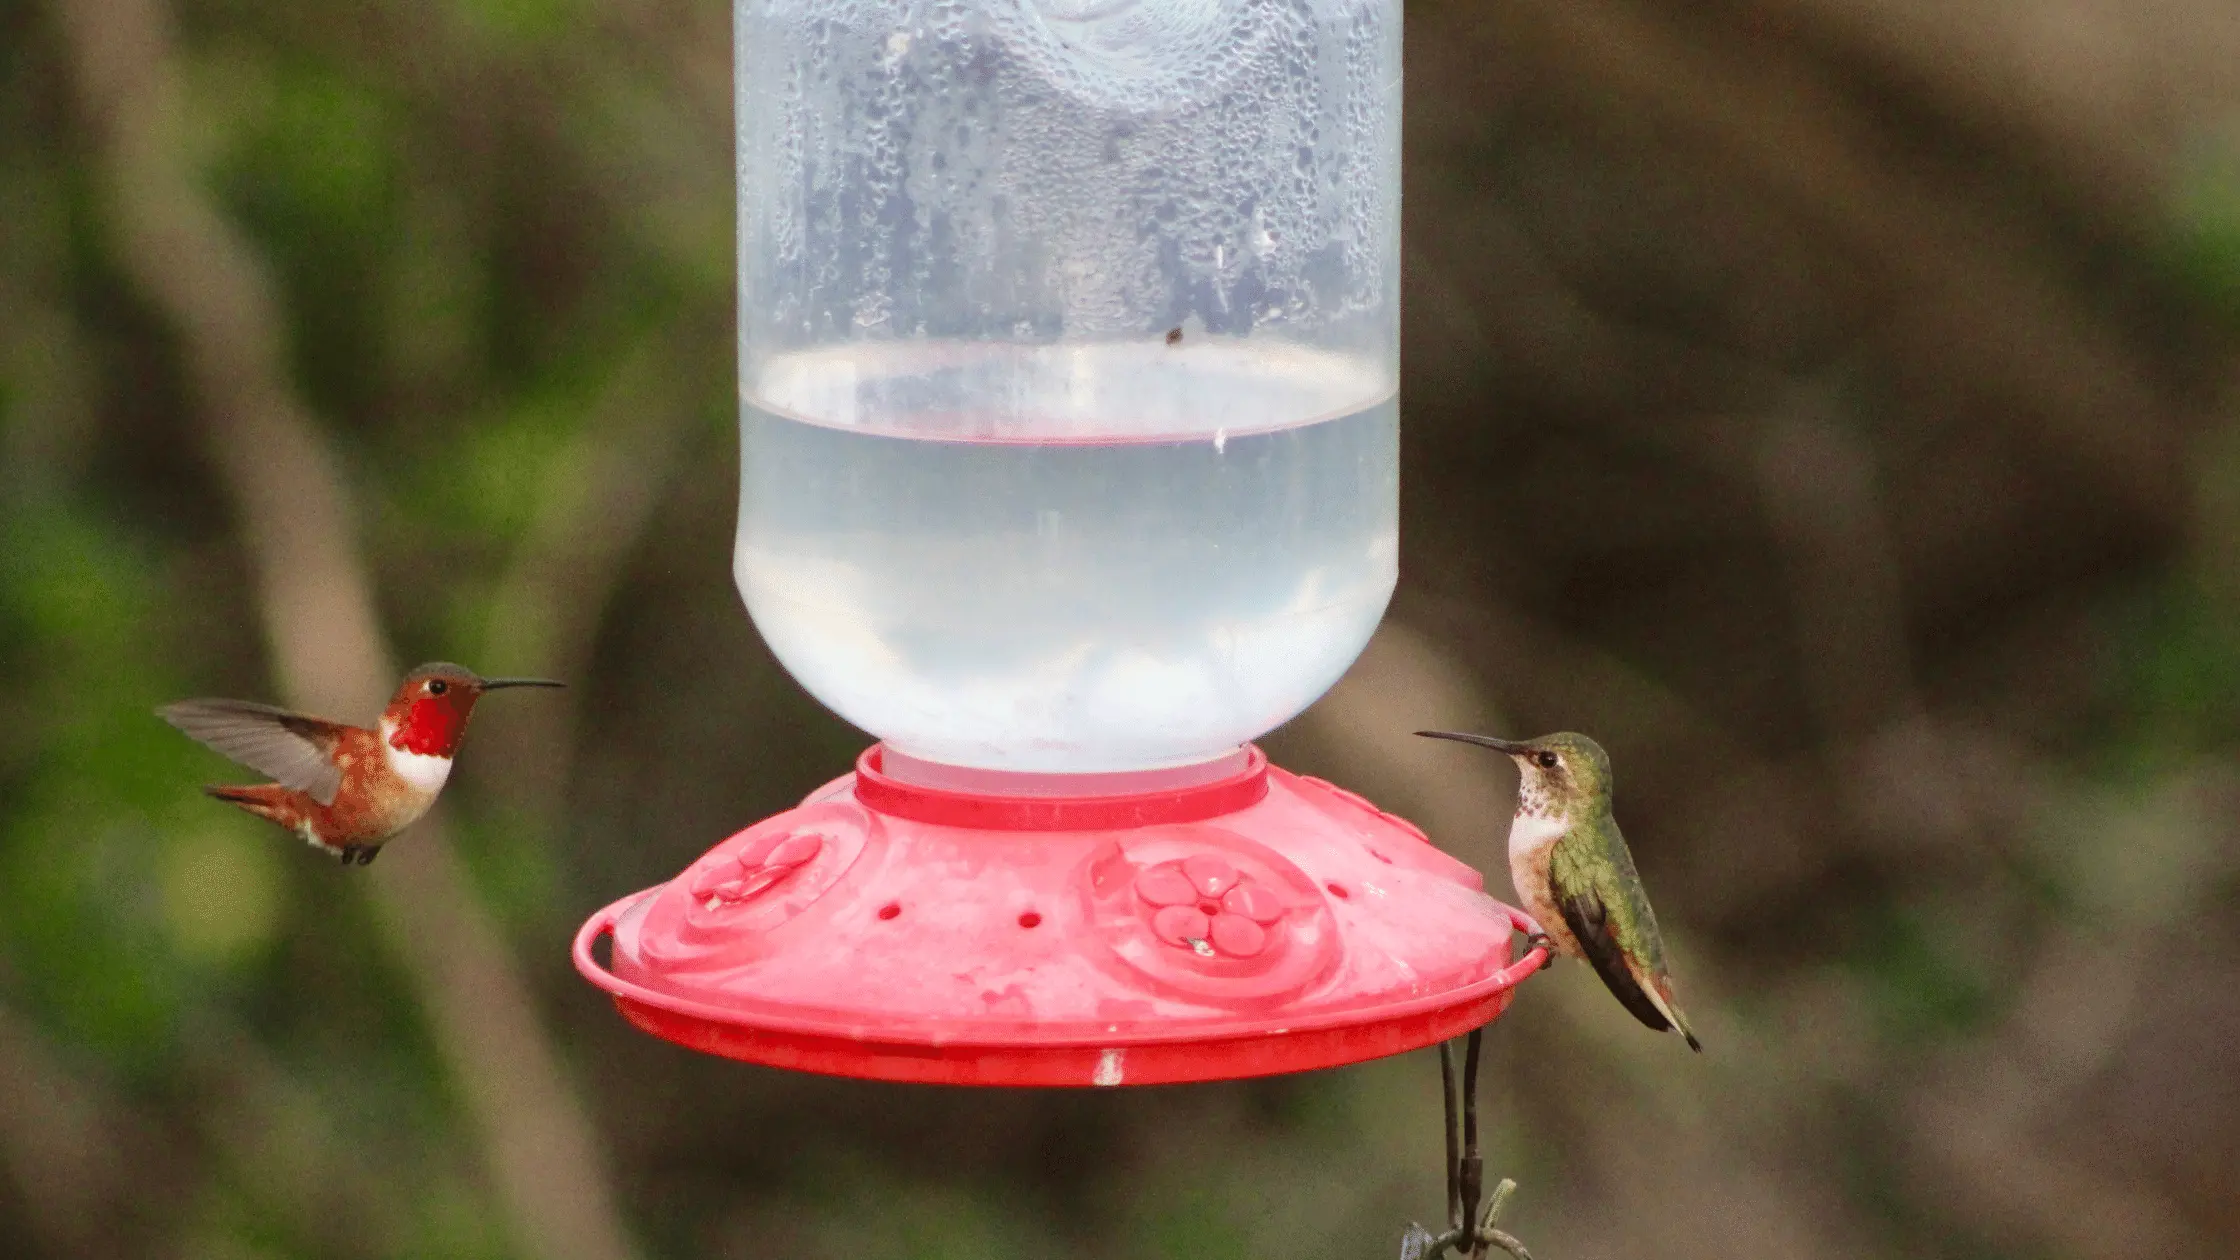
[(1575, 874), (342, 788)]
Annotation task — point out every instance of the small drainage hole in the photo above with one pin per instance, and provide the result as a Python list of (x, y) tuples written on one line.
[(889, 910), (1030, 919), (1338, 891)]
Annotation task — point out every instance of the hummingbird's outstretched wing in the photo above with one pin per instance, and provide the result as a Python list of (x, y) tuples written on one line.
[(296, 750)]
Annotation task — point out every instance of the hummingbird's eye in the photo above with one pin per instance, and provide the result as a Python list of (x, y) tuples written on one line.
[(1548, 760), (437, 687)]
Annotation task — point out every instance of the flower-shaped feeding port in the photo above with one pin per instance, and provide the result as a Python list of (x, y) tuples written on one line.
[(758, 868), (722, 910), (1205, 904), (1209, 916)]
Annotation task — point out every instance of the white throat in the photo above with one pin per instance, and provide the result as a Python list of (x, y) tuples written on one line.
[(1542, 816), (1529, 833), (424, 771)]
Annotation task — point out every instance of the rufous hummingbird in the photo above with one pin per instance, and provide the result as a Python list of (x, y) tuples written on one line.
[(345, 789), (1575, 875)]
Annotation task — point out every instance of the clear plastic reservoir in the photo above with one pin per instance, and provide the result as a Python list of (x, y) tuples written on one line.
[(1068, 336)]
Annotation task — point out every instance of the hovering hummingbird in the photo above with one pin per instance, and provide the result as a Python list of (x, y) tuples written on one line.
[(345, 789), (1575, 874)]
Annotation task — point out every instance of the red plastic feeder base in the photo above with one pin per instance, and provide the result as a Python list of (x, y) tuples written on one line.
[(1262, 922)]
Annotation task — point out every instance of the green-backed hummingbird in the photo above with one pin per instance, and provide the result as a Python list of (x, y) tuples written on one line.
[(1575, 875)]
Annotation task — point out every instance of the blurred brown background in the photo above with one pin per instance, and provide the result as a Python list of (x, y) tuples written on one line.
[(1832, 404)]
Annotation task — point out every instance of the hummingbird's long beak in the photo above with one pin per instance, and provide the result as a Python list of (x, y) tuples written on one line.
[(493, 684), (1510, 747)]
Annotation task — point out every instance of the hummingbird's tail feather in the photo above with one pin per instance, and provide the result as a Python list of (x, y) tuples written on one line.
[(268, 801), (1630, 993), (1658, 989), (1680, 1022), (275, 804)]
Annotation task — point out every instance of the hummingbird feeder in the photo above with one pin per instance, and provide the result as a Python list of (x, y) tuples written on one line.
[(1068, 349)]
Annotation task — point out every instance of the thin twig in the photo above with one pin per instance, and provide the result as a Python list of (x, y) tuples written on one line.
[(1423, 1247), (1499, 1201), (1486, 1231), (1506, 1242)]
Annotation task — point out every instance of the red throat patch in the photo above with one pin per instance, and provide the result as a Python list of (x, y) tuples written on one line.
[(433, 725)]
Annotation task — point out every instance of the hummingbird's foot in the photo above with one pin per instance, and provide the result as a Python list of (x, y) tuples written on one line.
[(349, 853), (366, 852), (1542, 941)]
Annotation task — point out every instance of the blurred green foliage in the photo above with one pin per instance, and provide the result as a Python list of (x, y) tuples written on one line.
[(2206, 211)]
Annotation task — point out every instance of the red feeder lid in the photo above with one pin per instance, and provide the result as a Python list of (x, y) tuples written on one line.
[(1262, 922)]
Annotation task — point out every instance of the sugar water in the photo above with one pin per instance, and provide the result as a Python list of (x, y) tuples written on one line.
[(1145, 554)]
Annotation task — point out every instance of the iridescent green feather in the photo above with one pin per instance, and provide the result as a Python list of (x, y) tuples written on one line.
[(1592, 857)]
